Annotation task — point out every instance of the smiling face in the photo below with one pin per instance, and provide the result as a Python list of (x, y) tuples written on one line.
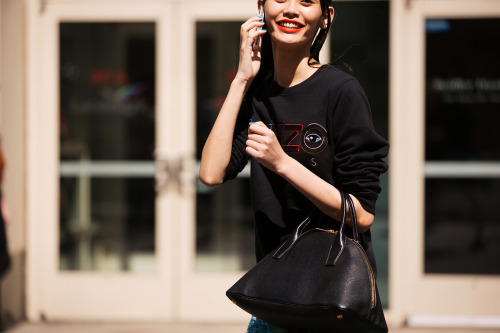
[(293, 22)]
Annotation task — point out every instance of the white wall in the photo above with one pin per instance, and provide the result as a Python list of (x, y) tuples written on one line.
[(12, 131)]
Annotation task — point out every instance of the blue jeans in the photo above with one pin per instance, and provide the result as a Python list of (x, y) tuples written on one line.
[(259, 326)]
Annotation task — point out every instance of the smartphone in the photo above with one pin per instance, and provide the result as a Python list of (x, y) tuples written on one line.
[(258, 39)]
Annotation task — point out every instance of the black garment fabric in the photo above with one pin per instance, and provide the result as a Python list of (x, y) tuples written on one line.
[(325, 123), (4, 252)]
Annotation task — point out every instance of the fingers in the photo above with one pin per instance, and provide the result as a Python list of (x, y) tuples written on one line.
[(259, 128), (263, 145), (251, 23), (252, 152), (254, 33), (250, 57), (249, 31), (249, 40), (260, 136), (260, 139), (254, 144), (256, 149)]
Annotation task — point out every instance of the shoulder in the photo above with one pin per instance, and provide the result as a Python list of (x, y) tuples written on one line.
[(339, 82), (340, 85), (335, 76)]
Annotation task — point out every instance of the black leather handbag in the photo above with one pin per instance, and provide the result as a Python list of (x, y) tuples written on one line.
[(317, 280)]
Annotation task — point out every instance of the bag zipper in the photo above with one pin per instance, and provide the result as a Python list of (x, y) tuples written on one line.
[(372, 279), (367, 262)]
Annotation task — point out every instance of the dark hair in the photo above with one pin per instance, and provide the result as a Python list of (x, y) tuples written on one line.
[(266, 52), (323, 33)]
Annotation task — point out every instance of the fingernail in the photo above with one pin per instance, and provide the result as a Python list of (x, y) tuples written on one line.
[(265, 30), (252, 122), (260, 15)]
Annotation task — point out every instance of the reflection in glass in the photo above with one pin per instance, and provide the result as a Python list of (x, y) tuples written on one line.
[(107, 122), (107, 91), (462, 139), (224, 228), (463, 90), (462, 226), (107, 224), (224, 217)]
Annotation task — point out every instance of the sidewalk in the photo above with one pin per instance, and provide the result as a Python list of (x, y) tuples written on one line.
[(184, 328), (124, 328)]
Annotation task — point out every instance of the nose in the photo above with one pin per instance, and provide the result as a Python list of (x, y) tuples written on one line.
[(291, 9)]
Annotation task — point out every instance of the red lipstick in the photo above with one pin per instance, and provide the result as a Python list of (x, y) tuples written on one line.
[(296, 26)]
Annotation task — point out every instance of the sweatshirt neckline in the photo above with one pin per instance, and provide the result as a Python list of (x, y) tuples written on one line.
[(279, 90)]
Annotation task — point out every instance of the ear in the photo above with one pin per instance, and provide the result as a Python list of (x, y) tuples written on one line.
[(260, 3), (325, 22)]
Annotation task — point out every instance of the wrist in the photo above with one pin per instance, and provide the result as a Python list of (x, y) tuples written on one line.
[(240, 82), (283, 167)]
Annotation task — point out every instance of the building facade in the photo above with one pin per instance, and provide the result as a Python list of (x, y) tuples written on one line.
[(104, 109)]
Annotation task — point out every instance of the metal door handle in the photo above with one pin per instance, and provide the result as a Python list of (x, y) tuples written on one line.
[(173, 173)]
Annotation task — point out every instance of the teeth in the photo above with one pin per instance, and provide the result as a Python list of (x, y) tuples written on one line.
[(289, 25)]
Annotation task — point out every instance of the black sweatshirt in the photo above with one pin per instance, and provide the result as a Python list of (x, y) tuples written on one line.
[(324, 123)]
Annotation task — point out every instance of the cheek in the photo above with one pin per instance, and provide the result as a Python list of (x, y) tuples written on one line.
[(269, 14), (314, 16), (269, 19)]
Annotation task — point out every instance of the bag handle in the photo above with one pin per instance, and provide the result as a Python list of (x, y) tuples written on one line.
[(294, 236), (339, 242), (338, 245), (354, 218)]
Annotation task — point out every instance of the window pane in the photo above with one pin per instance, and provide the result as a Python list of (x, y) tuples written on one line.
[(463, 90), (224, 225), (107, 91), (360, 32), (107, 140), (107, 224), (462, 226)]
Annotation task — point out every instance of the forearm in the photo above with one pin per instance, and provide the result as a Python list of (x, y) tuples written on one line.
[(217, 150), (322, 194)]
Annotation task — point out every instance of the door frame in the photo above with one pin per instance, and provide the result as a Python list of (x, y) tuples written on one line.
[(203, 293), (52, 294), (434, 298)]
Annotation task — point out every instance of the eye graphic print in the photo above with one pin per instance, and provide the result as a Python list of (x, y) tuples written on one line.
[(314, 138)]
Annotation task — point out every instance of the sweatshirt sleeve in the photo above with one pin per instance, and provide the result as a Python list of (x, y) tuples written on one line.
[(358, 149), (239, 156)]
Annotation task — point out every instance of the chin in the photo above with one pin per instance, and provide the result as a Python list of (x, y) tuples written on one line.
[(291, 41)]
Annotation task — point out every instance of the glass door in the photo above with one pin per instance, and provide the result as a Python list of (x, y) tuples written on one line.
[(221, 248), (107, 143), (110, 176), (451, 243), (462, 224)]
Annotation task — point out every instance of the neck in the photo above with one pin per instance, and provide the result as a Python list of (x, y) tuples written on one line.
[(291, 66)]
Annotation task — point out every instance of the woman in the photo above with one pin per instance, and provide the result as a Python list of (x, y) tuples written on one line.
[(306, 128)]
